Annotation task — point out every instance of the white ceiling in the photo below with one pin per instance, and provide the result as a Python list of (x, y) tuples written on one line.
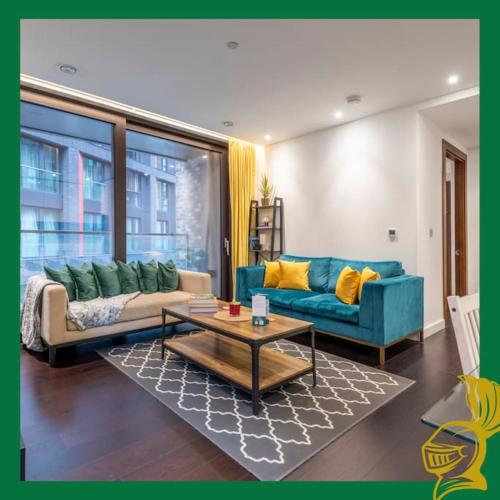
[(286, 78), (459, 118)]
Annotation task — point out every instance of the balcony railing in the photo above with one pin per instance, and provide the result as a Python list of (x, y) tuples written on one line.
[(55, 248)]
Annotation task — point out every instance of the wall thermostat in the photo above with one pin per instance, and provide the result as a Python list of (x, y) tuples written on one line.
[(393, 233)]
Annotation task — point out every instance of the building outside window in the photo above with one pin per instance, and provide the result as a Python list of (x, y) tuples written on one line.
[(162, 195), (94, 222), (133, 225), (162, 226), (93, 178), (134, 194), (66, 165), (39, 228), (40, 169)]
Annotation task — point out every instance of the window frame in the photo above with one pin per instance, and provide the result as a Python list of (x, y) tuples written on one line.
[(121, 122)]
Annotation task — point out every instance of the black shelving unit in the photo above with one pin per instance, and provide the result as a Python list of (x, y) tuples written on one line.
[(275, 229)]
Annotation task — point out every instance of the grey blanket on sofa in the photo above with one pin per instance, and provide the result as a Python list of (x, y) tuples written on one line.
[(97, 312)]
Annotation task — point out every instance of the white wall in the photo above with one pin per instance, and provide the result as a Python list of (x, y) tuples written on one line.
[(473, 219), (344, 187)]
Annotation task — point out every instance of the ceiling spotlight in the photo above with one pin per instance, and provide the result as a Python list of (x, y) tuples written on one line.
[(339, 114), (353, 99), (453, 79), (228, 123), (67, 68), (205, 157), (232, 45), (268, 137)]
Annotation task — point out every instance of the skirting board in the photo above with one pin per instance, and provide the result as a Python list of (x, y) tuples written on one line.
[(431, 329)]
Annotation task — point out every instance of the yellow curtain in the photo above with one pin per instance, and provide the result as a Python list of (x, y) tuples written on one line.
[(241, 191)]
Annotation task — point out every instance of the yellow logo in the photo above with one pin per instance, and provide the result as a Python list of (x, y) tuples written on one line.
[(458, 467)]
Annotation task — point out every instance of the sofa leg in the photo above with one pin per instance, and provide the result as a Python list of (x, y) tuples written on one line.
[(381, 356), (421, 336), (52, 356)]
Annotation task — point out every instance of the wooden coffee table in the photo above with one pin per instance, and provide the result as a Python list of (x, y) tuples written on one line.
[(236, 352)]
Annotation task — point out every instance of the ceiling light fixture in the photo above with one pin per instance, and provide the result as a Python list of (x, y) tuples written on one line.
[(339, 114), (453, 79), (353, 99), (67, 68), (205, 157), (268, 137), (228, 123), (232, 45)]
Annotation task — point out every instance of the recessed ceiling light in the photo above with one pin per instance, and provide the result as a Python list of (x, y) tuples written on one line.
[(228, 123), (205, 157), (67, 68), (339, 114), (268, 137), (453, 79), (232, 45)]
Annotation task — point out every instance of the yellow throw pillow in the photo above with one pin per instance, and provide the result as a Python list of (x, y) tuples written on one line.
[(367, 274), (272, 274), (294, 275), (347, 286)]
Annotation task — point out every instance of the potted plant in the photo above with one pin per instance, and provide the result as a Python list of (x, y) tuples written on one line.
[(266, 190)]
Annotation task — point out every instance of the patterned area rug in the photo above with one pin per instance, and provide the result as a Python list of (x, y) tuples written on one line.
[(295, 421)]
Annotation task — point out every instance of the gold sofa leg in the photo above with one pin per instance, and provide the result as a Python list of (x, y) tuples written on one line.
[(381, 356)]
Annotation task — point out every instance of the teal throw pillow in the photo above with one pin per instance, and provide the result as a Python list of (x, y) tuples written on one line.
[(64, 277), (127, 274), (107, 279), (148, 276), (86, 284), (168, 277)]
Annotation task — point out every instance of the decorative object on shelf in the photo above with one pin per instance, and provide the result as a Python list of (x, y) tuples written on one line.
[(254, 243), (266, 190), (260, 310), (234, 308), (265, 232)]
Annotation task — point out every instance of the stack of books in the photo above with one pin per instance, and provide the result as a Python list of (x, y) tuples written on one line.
[(203, 303)]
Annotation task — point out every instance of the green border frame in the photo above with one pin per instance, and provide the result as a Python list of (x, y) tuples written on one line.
[(487, 12)]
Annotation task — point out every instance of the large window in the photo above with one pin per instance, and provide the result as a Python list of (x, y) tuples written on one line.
[(66, 189), (179, 217), (164, 194)]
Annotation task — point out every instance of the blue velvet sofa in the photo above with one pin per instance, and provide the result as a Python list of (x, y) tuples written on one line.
[(391, 308)]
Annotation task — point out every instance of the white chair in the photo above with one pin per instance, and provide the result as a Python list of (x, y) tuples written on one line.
[(464, 313)]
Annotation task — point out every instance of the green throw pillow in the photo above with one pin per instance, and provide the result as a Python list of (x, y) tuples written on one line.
[(148, 276), (86, 285), (168, 277), (107, 279), (64, 277), (127, 274)]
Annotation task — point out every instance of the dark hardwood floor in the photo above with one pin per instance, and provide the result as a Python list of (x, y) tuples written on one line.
[(85, 420)]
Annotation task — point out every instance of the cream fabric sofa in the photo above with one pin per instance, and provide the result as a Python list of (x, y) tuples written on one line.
[(140, 313)]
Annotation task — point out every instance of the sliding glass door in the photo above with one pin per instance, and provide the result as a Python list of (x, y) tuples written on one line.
[(66, 189), (95, 187), (173, 204)]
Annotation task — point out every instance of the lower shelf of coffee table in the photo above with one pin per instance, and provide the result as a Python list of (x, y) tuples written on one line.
[(232, 360)]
